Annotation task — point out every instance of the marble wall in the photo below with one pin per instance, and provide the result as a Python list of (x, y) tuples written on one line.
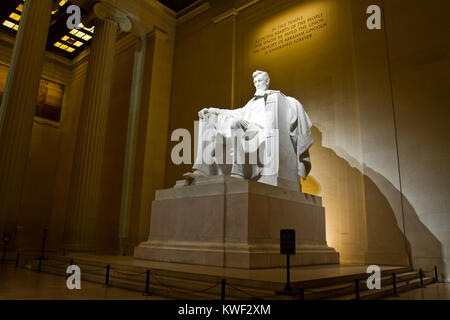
[(420, 57)]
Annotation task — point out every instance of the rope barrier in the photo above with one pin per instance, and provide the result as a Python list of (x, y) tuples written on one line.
[(159, 282), (331, 290), (52, 265), (428, 271), (8, 260), (25, 259), (88, 264), (184, 291), (251, 295), (93, 270), (55, 263), (129, 274)]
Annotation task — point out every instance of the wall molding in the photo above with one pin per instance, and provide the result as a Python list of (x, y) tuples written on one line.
[(234, 11), (192, 11)]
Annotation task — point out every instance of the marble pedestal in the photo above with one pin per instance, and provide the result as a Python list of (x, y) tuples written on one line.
[(227, 222)]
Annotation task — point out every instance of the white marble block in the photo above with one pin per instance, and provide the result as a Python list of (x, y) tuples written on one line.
[(226, 222)]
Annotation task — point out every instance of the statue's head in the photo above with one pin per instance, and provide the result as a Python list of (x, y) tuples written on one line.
[(261, 80)]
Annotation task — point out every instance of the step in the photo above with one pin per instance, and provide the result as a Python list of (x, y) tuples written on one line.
[(387, 290), (180, 285), (184, 286), (327, 292)]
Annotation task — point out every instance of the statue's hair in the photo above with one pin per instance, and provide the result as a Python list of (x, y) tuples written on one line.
[(258, 72)]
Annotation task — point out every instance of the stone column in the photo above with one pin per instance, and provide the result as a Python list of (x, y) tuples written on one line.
[(87, 167), (19, 106)]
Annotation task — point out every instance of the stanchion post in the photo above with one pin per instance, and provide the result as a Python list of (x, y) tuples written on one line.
[(44, 240), (288, 287), (394, 284), (421, 278), (287, 247), (17, 259), (223, 291), (436, 275), (40, 263), (42, 257), (107, 275), (302, 293), (147, 284), (6, 238), (357, 289)]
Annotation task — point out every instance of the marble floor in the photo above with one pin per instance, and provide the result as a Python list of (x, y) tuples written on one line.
[(23, 284), (438, 291)]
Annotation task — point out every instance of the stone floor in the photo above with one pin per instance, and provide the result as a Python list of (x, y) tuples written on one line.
[(23, 284), (438, 291)]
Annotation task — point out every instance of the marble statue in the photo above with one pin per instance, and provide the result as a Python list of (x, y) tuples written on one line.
[(267, 140)]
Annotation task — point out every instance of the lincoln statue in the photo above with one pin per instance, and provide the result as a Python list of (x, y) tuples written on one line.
[(244, 188), (268, 136)]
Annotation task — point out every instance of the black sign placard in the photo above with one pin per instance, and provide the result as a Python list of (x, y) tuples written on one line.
[(287, 242)]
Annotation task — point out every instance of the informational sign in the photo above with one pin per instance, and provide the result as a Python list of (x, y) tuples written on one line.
[(287, 241)]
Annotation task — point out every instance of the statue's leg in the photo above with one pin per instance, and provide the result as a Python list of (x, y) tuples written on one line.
[(206, 161), (246, 165), (223, 155), (237, 151)]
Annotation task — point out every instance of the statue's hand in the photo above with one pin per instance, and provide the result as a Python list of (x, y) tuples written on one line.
[(202, 113), (215, 111), (245, 124)]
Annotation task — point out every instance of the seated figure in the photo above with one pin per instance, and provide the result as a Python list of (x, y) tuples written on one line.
[(267, 140)]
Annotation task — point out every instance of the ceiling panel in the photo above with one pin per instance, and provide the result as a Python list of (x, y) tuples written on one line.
[(64, 42), (177, 5)]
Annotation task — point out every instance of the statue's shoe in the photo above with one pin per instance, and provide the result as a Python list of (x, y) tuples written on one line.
[(191, 176)]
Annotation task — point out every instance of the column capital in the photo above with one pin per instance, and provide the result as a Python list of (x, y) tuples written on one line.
[(105, 11), (159, 34)]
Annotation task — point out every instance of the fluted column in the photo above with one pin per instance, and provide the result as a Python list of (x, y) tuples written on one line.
[(89, 150), (19, 106)]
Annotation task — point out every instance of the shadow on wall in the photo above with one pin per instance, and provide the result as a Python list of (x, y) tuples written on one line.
[(364, 224)]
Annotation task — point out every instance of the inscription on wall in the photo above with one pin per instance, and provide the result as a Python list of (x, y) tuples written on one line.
[(289, 33)]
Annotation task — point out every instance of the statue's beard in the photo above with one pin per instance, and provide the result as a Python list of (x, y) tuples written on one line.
[(260, 92)]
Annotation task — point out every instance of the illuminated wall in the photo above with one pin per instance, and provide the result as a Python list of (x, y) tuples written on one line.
[(321, 52)]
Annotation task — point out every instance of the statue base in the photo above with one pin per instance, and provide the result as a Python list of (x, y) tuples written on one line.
[(228, 222)]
